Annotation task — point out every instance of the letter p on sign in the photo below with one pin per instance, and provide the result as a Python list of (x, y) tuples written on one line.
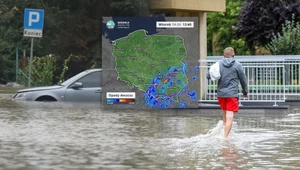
[(33, 17)]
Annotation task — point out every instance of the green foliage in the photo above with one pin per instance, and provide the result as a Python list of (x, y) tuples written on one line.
[(125, 7), (73, 65), (65, 69), (42, 71), (287, 42), (220, 30)]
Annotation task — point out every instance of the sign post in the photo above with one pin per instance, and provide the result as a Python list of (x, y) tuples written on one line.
[(17, 62), (33, 27)]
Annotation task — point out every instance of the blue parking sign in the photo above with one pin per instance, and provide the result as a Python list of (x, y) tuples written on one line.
[(34, 19)]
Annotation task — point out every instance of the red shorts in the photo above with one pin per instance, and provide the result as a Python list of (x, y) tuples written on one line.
[(229, 104)]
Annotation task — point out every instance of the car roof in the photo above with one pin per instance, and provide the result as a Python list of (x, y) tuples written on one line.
[(94, 69)]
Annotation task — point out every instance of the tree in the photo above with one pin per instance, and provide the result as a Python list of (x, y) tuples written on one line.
[(9, 39), (126, 7), (220, 29), (288, 41), (258, 20)]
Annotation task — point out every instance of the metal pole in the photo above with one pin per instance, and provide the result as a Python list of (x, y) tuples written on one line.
[(275, 82), (24, 59), (30, 62), (17, 62)]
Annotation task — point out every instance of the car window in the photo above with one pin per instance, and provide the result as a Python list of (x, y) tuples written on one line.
[(91, 80)]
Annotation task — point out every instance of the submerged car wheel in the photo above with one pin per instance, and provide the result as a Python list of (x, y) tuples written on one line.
[(46, 99)]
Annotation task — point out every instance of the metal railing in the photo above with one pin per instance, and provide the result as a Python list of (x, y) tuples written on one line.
[(270, 78)]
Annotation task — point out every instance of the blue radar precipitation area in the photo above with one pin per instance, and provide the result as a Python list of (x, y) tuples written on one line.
[(160, 83), (156, 96)]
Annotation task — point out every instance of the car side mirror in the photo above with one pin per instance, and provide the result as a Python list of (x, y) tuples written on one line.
[(76, 85)]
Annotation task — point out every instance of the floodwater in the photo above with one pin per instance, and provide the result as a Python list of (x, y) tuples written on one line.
[(82, 136)]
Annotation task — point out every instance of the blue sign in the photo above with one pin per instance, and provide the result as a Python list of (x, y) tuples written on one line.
[(34, 19)]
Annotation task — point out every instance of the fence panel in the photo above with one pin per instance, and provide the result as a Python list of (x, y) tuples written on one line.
[(270, 79)]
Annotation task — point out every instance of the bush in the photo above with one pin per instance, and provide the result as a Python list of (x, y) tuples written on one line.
[(41, 72), (287, 42)]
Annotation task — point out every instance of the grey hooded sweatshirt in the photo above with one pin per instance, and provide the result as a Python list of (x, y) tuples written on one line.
[(231, 74)]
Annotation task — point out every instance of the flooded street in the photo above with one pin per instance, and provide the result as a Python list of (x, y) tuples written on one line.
[(83, 136)]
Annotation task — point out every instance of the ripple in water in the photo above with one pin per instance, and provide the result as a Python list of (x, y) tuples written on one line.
[(212, 150)]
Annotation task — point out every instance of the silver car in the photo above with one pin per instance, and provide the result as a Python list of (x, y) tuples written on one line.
[(85, 86)]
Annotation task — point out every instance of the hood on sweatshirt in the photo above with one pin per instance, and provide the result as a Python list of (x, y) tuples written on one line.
[(228, 61)]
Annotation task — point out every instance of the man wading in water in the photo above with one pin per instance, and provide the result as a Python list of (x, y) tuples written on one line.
[(232, 73)]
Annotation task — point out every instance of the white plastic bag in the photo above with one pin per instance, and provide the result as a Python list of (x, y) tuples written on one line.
[(214, 71)]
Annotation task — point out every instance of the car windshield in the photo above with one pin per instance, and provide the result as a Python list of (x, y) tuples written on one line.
[(74, 78)]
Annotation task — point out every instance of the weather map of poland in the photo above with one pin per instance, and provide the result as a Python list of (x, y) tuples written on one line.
[(150, 62)]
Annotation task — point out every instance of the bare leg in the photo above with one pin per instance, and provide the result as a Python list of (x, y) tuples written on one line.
[(228, 124), (224, 116)]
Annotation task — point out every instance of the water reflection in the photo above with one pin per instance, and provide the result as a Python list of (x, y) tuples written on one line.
[(84, 136), (230, 157)]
